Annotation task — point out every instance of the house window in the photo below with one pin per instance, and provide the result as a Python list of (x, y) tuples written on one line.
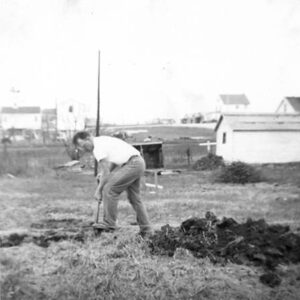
[(284, 108), (224, 138), (35, 118)]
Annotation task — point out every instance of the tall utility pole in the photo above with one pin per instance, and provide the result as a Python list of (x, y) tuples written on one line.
[(98, 112), (56, 122)]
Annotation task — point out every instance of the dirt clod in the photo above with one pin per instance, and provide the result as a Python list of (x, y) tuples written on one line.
[(47, 237), (252, 243), (13, 239), (271, 279)]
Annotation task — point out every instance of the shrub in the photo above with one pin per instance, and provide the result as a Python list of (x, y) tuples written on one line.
[(209, 162), (239, 172)]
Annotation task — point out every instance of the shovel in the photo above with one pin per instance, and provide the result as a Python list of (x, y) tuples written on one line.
[(98, 211), (99, 202)]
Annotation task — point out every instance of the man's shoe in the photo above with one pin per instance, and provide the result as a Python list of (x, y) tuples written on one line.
[(100, 227), (146, 234)]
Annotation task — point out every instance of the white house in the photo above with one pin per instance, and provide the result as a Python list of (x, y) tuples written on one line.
[(289, 105), (233, 103), (20, 118), (259, 138), (70, 116)]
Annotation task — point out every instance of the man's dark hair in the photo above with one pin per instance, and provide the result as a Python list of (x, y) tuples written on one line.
[(80, 135)]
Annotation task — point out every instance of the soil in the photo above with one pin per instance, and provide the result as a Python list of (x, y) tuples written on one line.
[(50, 230), (251, 243)]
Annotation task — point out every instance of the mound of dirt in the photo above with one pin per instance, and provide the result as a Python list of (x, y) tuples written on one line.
[(252, 242)]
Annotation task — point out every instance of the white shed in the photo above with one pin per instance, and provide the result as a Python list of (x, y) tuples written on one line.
[(259, 138), (233, 103), (289, 105)]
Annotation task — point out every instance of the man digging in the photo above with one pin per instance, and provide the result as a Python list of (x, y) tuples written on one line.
[(121, 167)]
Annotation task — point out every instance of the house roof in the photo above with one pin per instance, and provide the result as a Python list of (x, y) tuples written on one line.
[(21, 110), (49, 111), (235, 99), (261, 122), (295, 103)]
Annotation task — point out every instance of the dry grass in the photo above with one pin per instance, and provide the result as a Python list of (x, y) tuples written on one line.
[(169, 133), (36, 161), (119, 265), (31, 160)]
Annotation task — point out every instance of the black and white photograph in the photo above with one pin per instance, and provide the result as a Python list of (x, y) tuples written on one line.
[(150, 149)]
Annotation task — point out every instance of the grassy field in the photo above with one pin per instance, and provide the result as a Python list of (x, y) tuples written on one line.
[(177, 140), (35, 161), (166, 133), (119, 265), (31, 160)]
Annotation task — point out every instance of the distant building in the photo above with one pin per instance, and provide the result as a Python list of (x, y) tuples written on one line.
[(49, 119), (289, 105), (186, 119), (259, 138), (195, 118), (70, 116), (211, 117), (152, 153), (163, 121), (21, 118), (233, 103)]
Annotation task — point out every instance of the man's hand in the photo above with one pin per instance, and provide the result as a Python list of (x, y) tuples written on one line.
[(104, 170), (98, 196), (99, 176)]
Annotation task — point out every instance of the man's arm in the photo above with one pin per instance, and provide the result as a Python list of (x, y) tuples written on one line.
[(105, 168)]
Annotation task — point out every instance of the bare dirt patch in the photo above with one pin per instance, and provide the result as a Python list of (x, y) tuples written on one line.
[(46, 231), (250, 243)]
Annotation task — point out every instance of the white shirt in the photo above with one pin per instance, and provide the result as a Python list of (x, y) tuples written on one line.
[(113, 150)]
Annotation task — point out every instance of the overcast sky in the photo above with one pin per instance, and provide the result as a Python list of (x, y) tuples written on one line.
[(159, 58)]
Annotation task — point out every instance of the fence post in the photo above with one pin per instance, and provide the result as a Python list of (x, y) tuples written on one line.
[(188, 154), (208, 146)]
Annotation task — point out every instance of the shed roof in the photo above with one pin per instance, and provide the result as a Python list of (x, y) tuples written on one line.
[(235, 99), (261, 122), (146, 143), (295, 103), (21, 110)]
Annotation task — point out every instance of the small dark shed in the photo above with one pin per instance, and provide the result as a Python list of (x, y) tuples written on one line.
[(152, 153)]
